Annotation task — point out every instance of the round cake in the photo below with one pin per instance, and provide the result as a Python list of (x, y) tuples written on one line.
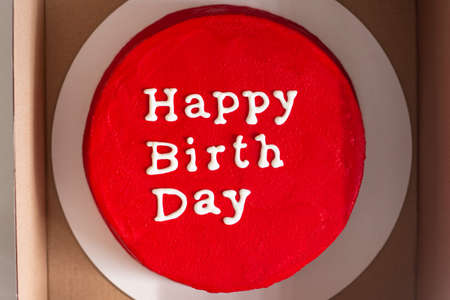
[(225, 148)]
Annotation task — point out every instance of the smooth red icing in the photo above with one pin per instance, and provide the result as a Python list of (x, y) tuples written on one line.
[(292, 214)]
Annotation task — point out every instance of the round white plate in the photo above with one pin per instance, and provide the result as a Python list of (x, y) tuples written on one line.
[(386, 173)]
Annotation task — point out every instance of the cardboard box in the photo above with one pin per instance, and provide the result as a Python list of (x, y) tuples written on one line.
[(51, 265)]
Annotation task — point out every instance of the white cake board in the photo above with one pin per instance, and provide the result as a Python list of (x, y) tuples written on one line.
[(387, 168)]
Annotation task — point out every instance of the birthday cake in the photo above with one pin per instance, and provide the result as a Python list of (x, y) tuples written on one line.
[(225, 148)]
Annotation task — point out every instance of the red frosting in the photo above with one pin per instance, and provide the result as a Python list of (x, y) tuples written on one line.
[(293, 212)]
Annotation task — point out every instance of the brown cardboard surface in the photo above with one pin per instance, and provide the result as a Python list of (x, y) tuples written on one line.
[(72, 276), (434, 188), (29, 137)]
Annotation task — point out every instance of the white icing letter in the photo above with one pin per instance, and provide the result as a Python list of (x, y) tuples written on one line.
[(238, 145), (159, 193), (263, 163), (153, 169), (200, 106), (213, 150), (287, 105), (221, 110), (191, 167), (205, 206), (252, 108), (237, 205), (153, 104)]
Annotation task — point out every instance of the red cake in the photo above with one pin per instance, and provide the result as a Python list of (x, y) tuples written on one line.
[(225, 148)]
